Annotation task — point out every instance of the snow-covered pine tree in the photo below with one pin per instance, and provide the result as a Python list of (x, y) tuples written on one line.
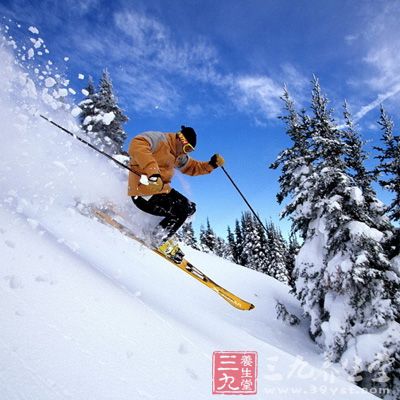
[(239, 244), (344, 279), (389, 171), (250, 241), (187, 236), (88, 109), (262, 258), (202, 238), (255, 245), (296, 165), (207, 238), (293, 250), (222, 249), (102, 117), (110, 118), (277, 255), (355, 156), (233, 249), (90, 89), (389, 163), (283, 314)]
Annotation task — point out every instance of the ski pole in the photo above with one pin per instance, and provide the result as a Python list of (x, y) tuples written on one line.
[(87, 143), (244, 198)]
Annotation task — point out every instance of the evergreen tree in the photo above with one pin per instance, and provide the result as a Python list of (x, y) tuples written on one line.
[(362, 192), (262, 257), (208, 239), (389, 163), (102, 118), (203, 239), (88, 109), (255, 246), (222, 249), (296, 166), (233, 249), (187, 236), (90, 89), (343, 276), (389, 172), (355, 156), (239, 243), (291, 258), (109, 125), (250, 241), (326, 145), (277, 255), (212, 243)]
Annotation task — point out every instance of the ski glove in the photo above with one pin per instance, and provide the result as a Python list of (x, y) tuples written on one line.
[(216, 161), (154, 183)]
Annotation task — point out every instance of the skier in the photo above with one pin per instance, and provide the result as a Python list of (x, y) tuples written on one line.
[(153, 157)]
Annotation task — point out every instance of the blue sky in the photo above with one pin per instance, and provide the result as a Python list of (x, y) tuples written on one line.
[(220, 66)]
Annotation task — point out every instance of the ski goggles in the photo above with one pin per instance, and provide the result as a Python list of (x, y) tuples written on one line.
[(186, 146)]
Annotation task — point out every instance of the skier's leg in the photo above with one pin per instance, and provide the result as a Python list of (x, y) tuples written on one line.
[(173, 206), (180, 208)]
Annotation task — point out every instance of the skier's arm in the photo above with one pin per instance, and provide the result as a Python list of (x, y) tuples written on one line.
[(140, 150), (188, 166)]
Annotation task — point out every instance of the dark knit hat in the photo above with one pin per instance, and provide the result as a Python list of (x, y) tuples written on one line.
[(189, 134)]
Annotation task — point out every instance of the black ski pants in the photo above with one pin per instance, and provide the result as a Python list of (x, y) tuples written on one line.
[(173, 206)]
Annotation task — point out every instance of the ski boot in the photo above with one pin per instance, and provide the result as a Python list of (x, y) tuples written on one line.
[(171, 250)]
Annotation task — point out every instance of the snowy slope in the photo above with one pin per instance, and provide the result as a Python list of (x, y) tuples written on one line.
[(89, 314)]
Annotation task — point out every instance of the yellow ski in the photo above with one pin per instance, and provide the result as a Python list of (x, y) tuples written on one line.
[(185, 265)]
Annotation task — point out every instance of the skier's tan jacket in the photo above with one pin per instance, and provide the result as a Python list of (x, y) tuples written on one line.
[(157, 153)]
